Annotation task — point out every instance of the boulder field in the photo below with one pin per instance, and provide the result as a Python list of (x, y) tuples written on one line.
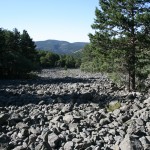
[(72, 110)]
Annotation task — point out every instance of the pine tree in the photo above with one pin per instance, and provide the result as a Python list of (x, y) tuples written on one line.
[(123, 25), (28, 46), (17, 53), (2, 50)]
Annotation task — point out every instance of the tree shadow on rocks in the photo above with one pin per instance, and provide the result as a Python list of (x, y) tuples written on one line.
[(23, 92), (15, 99), (44, 80)]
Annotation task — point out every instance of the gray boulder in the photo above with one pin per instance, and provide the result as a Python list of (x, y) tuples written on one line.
[(69, 145), (53, 140), (131, 143)]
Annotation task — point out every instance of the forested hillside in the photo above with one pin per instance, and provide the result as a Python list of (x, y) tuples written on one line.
[(60, 47)]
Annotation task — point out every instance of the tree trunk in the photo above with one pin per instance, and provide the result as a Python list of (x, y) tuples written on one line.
[(129, 82), (132, 53)]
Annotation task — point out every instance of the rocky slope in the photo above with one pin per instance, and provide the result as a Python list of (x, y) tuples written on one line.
[(70, 110)]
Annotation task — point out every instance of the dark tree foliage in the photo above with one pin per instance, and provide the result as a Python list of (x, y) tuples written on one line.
[(17, 54), (122, 36), (47, 59), (52, 60), (67, 61)]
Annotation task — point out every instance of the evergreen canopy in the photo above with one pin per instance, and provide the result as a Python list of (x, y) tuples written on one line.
[(122, 29)]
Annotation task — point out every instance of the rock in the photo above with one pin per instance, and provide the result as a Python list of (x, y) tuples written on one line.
[(41, 102), (21, 125), (69, 145), (145, 143), (53, 140), (131, 96), (116, 147), (43, 146), (148, 138), (147, 101), (24, 132), (34, 130), (116, 112), (148, 126), (68, 118), (57, 118), (19, 148), (73, 127), (44, 135), (130, 143), (139, 122), (66, 109), (4, 118), (40, 92), (32, 139), (104, 121), (69, 110)]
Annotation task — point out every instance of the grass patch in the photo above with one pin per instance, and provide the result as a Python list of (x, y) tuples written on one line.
[(117, 78), (114, 106)]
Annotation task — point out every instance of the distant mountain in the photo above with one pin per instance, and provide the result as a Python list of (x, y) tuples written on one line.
[(60, 47)]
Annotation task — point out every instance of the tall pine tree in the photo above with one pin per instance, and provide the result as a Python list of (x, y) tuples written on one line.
[(123, 25)]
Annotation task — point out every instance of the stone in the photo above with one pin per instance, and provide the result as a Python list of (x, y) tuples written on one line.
[(147, 101), (69, 145), (131, 96), (73, 127), (32, 139), (69, 109), (34, 131), (40, 92), (53, 140), (68, 118), (19, 148), (57, 118), (145, 143), (130, 143), (148, 138), (116, 112), (112, 131), (44, 135), (116, 147), (139, 122), (66, 109), (43, 146), (21, 125)]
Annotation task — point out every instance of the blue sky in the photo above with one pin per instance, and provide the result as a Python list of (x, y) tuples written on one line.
[(68, 20)]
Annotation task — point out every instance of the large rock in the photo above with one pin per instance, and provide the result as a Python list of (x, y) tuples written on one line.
[(53, 140), (130, 143), (69, 145), (68, 118)]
